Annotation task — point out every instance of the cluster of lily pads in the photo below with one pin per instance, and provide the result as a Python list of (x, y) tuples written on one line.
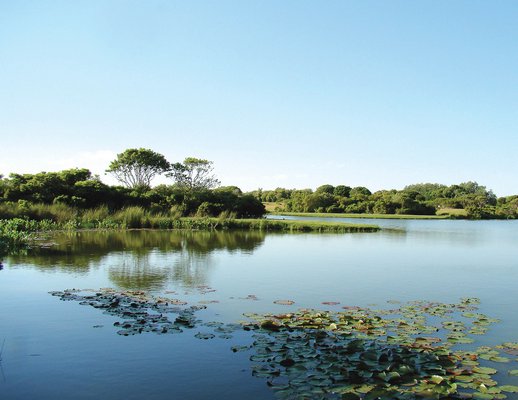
[(358, 353), (140, 312), (417, 350)]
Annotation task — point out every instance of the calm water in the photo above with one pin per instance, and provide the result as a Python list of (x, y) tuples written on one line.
[(56, 349)]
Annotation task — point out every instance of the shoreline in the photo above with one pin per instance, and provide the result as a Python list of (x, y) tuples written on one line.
[(362, 216)]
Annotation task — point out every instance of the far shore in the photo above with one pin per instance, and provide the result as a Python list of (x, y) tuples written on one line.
[(363, 216)]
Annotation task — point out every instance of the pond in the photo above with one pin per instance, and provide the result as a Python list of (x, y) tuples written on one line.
[(59, 349)]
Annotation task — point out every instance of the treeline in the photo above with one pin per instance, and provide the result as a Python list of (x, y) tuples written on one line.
[(194, 192), (44, 195), (472, 200)]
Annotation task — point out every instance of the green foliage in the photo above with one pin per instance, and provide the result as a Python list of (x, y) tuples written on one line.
[(507, 207), (58, 213), (93, 217), (194, 174), (325, 189), (136, 168), (70, 195), (132, 217), (342, 191), (17, 234), (43, 187), (465, 200)]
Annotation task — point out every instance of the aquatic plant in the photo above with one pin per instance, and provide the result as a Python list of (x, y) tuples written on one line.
[(418, 350), (140, 312), (410, 352), (18, 234)]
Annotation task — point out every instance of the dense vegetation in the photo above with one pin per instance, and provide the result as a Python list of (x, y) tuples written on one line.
[(474, 200), (77, 195), (73, 193)]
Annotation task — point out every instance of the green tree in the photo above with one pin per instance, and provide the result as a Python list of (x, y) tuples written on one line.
[(360, 193), (136, 168), (328, 189), (342, 191), (194, 174)]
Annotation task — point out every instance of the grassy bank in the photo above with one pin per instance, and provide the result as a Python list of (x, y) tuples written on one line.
[(365, 216), (17, 233), (452, 212), (59, 217), (207, 223), (271, 225)]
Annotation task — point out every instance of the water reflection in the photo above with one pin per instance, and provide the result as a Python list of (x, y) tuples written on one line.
[(461, 232), (137, 272), (145, 260)]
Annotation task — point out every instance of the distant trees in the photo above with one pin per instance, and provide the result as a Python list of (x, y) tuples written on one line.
[(195, 191), (136, 168), (418, 199)]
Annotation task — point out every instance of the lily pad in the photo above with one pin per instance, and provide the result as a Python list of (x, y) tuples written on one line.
[(204, 336), (284, 302)]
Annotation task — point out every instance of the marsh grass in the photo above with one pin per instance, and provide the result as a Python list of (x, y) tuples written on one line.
[(270, 225), (59, 213), (132, 217), (20, 233), (95, 215)]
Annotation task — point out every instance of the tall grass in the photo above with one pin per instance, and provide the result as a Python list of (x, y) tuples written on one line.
[(132, 217), (95, 215), (59, 213), (59, 216)]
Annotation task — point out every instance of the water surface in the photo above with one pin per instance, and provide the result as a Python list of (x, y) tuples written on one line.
[(53, 350)]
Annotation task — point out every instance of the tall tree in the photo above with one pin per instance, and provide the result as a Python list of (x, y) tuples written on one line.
[(194, 174), (136, 168)]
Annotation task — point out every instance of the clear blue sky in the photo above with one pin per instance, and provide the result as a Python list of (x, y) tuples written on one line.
[(276, 93)]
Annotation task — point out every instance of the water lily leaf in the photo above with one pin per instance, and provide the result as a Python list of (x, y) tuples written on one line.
[(350, 396), (509, 388), (436, 379), (464, 378), (363, 389), (499, 359), (513, 372), (485, 370), (482, 396), (284, 302), (236, 349), (204, 336)]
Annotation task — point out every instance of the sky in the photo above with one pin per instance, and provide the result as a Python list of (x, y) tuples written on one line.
[(288, 93)]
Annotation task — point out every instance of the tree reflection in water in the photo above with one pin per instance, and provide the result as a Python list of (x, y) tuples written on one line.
[(139, 259)]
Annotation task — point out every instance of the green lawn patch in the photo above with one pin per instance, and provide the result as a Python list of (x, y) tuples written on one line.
[(350, 215)]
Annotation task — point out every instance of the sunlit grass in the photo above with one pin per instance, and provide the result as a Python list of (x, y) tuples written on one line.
[(351, 215), (455, 212)]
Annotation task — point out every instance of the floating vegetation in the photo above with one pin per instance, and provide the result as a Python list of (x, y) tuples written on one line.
[(414, 351), (418, 350), (250, 297), (140, 312), (284, 302)]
